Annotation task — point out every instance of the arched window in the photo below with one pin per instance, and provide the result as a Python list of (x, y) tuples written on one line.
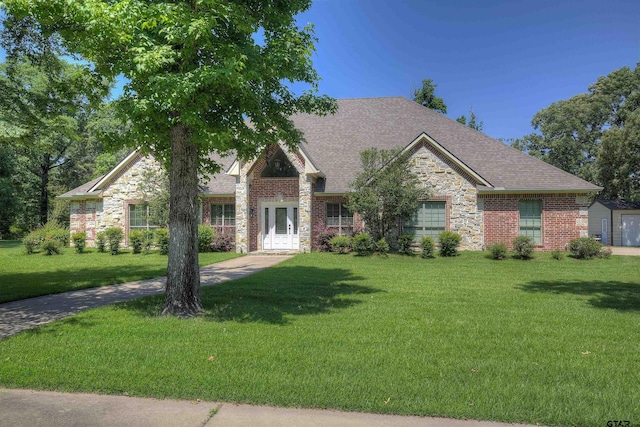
[(278, 166)]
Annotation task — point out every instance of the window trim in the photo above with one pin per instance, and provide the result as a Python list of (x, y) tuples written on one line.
[(147, 226), (530, 230)]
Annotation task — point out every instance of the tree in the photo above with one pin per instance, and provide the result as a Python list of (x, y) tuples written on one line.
[(40, 115), (426, 97), (202, 77), (386, 193), (8, 196), (594, 135), (472, 122)]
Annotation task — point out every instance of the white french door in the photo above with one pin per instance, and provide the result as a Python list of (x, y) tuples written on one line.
[(280, 227)]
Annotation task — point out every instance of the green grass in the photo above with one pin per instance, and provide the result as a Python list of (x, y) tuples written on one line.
[(541, 341), (24, 276)]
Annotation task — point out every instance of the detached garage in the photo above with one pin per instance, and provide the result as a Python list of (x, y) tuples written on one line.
[(615, 222)]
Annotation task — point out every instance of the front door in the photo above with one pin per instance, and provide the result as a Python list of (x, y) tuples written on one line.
[(280, 227)]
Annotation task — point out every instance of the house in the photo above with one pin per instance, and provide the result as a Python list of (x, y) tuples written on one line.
[(481, 188), (615, 222)]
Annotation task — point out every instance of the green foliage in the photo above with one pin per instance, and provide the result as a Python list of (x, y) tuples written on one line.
[(428, 247), (136, 240), (340, 244), (472, 122), (557, 254), (426, 97), (363, 244), (382, 248), (114, 236), (79, 241), (32, 242), (449, 242), (101, 241), (585, 248), (154, 188), (162, 240), (386, 192), (594, 135), (523, 246), (51, 246), (498, 250), (405, 244), (605, 252), (323, 238), (205, 237)]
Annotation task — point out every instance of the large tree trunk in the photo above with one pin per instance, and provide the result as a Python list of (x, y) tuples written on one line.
[(182, 296)]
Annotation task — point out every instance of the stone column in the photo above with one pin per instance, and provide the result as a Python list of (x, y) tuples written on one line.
[(304, 228), (242, 214)]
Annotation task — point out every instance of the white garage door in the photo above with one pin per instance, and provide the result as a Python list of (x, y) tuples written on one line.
[(630, 230)]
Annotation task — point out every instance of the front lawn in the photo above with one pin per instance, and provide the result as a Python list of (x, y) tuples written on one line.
[(541, 341), (24, 276)]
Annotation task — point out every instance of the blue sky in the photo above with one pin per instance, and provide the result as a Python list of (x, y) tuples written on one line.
[(506, 59)]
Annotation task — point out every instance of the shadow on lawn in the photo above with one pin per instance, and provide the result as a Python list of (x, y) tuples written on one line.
[(273, 296), (604, 294)]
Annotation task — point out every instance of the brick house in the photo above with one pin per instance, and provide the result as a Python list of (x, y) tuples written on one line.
[(481, 188)]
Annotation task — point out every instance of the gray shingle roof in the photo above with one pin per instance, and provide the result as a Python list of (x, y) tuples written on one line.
[(619, 205), (81, 190), (335, 142)]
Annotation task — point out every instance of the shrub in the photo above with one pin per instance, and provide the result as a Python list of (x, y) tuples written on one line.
[(340, 244), (605, 252), (147, 240), (60, 235), (79, 241), (51, 246), (557, 254), (405, 240), (205, 237), (162, 240), (322, 242), (498, 250), (101, 241), (449, 242), (428, 247), (523, 247), (223, 242), (114, 236), (585, 247), (32, 242), (136, 239), (363, 244), (382, 248)]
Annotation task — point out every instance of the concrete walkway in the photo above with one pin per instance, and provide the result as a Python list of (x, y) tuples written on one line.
[(17, 316), (22, 408)]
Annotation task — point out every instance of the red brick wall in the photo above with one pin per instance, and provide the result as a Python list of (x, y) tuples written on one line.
[(319, 215), (83, 218), (562, 219)]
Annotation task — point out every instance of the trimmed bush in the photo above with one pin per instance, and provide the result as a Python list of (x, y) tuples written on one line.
[(428, 247), (449, 242), (136, 240), (147, 240), (51, 246), (322, 242), (605, 252), (382, 248), (162, 240), (32, 242), (60, 235), (223, 242), (205, 237), (340, 244), (114, 236), (498, 250), (101, 241), (523, 247), (585, 248), (557, 254), (405, 240), (79, 241), (362, 244)]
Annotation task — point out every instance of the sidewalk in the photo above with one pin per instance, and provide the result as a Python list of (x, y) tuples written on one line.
[(22, 408), (17, 316)]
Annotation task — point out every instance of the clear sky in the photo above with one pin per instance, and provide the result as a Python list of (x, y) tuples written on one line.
[(506, 59)]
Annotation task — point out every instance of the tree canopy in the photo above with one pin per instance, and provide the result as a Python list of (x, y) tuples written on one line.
[(201, 77), (472, 122), (594, 135), (426, 97)]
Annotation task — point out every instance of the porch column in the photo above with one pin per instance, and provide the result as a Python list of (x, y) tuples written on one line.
[(242, 214), (304, 228)]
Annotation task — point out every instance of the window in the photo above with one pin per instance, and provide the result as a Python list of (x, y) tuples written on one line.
[(339, 216), (531, 219), (223, 215), (429, 220), (140, 217)]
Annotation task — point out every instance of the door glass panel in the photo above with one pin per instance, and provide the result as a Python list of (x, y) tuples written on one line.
[(281, 220), (295, 220), (265, 231)]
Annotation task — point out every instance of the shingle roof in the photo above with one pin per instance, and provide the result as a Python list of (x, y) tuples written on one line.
[(619, 205), (335, 143), (81, 190)]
